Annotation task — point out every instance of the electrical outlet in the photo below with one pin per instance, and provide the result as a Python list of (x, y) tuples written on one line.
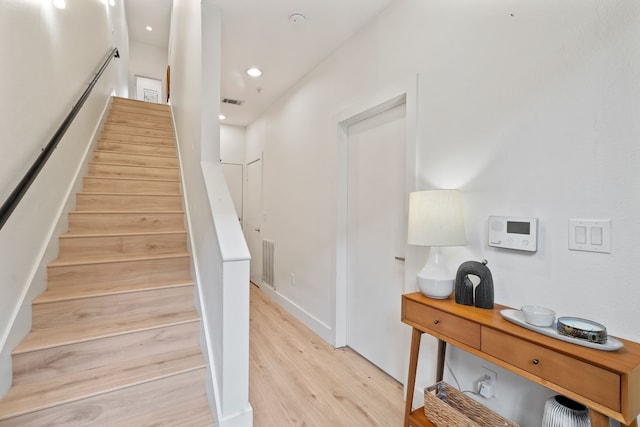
[(492, 374), (486, 385)]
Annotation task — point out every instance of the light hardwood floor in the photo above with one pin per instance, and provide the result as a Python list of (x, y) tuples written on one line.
[(297, 379)]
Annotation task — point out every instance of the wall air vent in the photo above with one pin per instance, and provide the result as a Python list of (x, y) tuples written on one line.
[(232, 101), (268, 249)]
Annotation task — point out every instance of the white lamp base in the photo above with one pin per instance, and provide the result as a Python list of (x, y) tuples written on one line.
[(435, 280)]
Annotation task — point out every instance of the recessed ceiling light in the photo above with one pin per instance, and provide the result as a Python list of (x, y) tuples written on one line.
[(297, 18), (222, 117), (148, 27), (60, 4), (254, 72)]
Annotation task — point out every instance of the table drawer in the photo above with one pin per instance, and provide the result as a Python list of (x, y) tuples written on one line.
[(592, 382), (457, 328)]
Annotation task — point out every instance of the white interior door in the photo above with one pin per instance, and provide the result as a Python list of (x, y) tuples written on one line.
[(253, 219), (376, 239), (233, 175), (148, 90)]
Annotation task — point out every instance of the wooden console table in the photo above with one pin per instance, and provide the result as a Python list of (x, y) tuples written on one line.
[(606, 382)]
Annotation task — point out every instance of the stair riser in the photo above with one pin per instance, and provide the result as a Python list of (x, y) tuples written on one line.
[(111, 307), (139, 121), (127, 202), (119, 272), (136, 110), (133, 130), (146, 106), (70, 358), (134, 159), (141, 114), (120, 407), (124, 171), (114, 185), (80, 222), (137, 139), (128, 147), (121, 245)]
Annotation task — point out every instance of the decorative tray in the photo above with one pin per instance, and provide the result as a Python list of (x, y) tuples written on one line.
[(516, 316)]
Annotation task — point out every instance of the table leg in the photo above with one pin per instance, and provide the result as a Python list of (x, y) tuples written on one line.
[(598, 419), (416, 334), (442, 351)]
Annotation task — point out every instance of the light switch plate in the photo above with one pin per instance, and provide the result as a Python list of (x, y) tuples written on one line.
[(590, 235)]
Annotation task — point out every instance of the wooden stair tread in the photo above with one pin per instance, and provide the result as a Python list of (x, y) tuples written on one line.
[(134, 154), (127, 178), (107, 259), (52, 337), (138, 121), (135, 129), (115, 141), (131, 406), (24, 398), (133, 166), (138, 139), (90, 290), (104, 193), (167, 137), (126, 212), (70, 235)]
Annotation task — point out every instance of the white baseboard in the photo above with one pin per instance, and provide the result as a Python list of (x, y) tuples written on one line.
[(241, 419), (320, 328)]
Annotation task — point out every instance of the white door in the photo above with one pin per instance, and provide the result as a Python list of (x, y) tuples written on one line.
[(376, 239), (233, 175), (253, 219), (148, 90)]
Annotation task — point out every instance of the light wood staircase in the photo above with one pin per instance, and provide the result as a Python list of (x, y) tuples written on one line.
[(115, 338)]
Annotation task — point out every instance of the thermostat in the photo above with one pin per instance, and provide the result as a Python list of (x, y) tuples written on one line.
[(513, 233)]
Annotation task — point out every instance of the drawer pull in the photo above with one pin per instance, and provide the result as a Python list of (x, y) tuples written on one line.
[(435, 322), (536, 361)]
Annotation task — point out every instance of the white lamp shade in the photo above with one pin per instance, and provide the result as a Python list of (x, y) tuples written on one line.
[(436, 218)]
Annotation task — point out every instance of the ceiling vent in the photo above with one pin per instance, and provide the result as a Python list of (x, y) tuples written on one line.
[(232, 101)]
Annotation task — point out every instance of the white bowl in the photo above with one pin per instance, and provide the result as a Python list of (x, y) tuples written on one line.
[(538, 316)]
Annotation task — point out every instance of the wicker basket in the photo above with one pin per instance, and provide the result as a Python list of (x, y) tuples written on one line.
[(445, 406)]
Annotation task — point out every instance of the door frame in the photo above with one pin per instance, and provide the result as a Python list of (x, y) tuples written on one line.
[(242, 190), (245, 204), (161, 95), (403, 92)]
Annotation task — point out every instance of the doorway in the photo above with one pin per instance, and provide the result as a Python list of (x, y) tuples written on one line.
[(253, 219), (376, 236), (148, 89), (392, 112), (233, 174)]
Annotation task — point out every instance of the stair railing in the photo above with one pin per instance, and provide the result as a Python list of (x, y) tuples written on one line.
[(18, 193)]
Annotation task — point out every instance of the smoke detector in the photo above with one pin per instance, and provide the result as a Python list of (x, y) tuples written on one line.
[(297, 18)]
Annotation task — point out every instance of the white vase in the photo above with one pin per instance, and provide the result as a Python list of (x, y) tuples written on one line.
[(560, 411)]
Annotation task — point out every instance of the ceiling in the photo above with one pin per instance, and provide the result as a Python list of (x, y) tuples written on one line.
[(259, 33)]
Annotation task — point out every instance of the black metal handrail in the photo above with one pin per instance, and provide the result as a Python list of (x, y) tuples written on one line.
[(18, 193)]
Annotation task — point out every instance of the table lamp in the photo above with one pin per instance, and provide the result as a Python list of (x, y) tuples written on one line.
[(436, 220)]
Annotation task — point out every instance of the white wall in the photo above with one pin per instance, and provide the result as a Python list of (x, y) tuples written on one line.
[(232, 144), (529, 107), (148, 61), (46, 69)]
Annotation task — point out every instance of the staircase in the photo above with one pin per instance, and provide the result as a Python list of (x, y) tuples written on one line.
[(115, 338)]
